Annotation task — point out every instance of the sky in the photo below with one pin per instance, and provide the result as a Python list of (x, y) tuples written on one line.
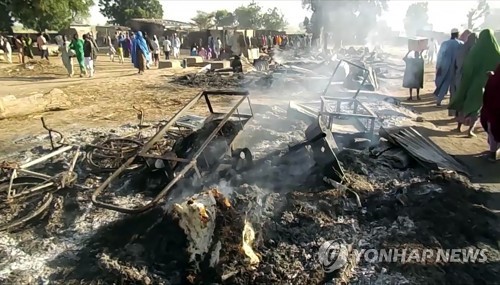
[(444, 15)]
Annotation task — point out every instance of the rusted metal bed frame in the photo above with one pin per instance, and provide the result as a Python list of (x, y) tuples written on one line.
[(367, 120), (365, 77), (191, 163), (356, 105)]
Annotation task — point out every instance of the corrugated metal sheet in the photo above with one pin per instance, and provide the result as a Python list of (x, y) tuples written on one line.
[(422, 149)]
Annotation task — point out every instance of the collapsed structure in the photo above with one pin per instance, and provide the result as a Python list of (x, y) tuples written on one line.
[(245, 194)]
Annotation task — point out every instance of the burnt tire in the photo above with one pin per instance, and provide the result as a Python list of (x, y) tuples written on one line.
[(22, 210), (112, 153)]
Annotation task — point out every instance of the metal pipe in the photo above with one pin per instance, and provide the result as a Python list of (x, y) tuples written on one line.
[(331, 78), (46, 157), (166, 127)]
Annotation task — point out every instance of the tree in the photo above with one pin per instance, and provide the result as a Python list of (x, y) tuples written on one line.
[(203, 20), (223, 18), (416, 18), (480, 11), (47, 14), (345, 20), (307, 25), (121, 11), (273, 20), (249, 17), (6, 21)]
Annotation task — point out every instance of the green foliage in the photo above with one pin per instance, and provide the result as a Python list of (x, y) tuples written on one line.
[(121, 11), (203, 20), (46, 14), (481, 10), (224, 18), (6, 21), (249, 17), (274, 20), (416, 18), (245, 17)]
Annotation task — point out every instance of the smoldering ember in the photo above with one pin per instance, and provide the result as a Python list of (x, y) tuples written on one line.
[(231, 172)]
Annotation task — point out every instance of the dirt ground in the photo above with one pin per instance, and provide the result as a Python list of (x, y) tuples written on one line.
[(469, 151), (107, 100)]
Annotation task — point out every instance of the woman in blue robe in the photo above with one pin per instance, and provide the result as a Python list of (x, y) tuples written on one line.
[(139, 52)]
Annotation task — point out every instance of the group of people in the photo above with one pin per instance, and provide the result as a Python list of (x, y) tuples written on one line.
[(172, 47), (143, 51), (122, 47), (468, 67), (23, 44), (85, 51), (213, 49), (298, 41), (473, 79)]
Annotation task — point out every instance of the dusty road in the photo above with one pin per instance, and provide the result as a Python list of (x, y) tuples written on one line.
[(107, 99)]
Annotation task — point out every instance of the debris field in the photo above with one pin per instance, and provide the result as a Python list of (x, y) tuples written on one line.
[(235, 197)]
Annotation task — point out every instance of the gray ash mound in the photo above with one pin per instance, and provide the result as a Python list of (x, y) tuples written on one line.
[(210, 80), (435, 211)]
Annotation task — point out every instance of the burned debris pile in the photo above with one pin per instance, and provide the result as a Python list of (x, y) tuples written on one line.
[(345, 69), (239, 196), (210, 80)]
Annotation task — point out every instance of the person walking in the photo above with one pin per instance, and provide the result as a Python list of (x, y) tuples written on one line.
[(140, 52), (463, 51), (155, 44), (177, 46), (112, 50), (66, 55), (28, 46), (7, 48), (445, 66), (77, 46), (217, 47), (19, 43), (431, 52), (121, 47), (95, 49), (167, 47), (483, 57), (88, 53), (41, 41), (414, 73), (490, 112)]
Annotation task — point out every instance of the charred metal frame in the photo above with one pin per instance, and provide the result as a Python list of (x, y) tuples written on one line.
[(356, 107), (365, 77), (13, 172), (191, 163)]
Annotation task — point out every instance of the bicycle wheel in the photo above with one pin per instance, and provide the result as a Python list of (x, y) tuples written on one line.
[(112, 153), (18, 212)]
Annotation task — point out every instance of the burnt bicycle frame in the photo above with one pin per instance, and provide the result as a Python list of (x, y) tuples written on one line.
[(191, 163)]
